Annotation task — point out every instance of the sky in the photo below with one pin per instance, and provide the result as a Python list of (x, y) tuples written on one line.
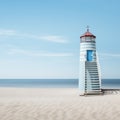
[(41, 38)]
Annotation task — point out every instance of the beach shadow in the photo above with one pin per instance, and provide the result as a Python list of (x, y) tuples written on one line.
[(104, 92), (111, 91)]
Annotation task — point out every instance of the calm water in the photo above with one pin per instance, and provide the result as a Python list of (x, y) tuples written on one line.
[(45, 83)]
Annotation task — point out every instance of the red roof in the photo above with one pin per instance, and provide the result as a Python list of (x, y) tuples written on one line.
[(88, 34)]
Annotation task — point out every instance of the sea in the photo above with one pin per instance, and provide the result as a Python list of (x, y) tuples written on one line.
[(54, 83)]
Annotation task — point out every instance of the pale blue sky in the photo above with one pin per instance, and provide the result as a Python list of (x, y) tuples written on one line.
[(40, 38)]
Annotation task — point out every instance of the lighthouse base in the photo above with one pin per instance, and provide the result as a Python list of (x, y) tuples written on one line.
[(91, 93)]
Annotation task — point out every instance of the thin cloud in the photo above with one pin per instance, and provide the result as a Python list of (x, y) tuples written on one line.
[(37, 53), (58, 39), (50, 38), (109, 55), (7, 32)]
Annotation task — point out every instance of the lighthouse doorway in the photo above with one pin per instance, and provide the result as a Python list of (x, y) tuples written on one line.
[(89, 55)]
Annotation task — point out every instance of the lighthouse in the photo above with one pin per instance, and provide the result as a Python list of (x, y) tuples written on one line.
[(89, 72)]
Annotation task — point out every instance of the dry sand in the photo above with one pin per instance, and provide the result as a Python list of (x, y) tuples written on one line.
[(57, 104)]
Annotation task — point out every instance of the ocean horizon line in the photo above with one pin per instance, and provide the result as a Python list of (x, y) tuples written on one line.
[(49, 83)]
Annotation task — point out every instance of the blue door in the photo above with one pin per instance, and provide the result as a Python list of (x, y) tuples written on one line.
[(89, 55)]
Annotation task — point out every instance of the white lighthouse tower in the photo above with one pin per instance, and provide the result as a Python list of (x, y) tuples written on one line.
[(90, 76)]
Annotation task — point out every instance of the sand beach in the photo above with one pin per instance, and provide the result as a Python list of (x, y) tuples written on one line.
[(57, 104)]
